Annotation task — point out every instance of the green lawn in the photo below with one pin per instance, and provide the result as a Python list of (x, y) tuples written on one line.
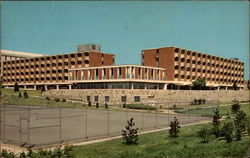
[(159, 145), (208, 111)]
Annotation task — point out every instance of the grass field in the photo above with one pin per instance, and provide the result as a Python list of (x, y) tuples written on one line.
[(208, 111), (159, 145)]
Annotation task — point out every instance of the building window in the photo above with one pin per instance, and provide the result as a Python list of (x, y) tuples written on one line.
[(124, 98), (96, 98), (182, 51), (188, 52), (176, 50), (176, 76), (188, 60), (137, 98), (106, 98), (182, 59), (176, 58), (176, 67)]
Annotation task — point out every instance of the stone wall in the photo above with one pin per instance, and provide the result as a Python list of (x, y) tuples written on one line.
[(148, 96)]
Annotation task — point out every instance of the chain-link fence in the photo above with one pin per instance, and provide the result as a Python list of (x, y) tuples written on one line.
[(33, 126)]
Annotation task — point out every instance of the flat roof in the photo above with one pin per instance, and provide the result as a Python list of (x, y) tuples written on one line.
[(113, 66), (19, 54)]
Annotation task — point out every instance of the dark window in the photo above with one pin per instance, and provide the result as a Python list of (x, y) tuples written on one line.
[(193, 61), (176, 50), (96, 98), (182, 59), (182, 51), (176, 67), (188, 60), (124, 98), (188, 52), (137, 98), (106, 98), (86, 53), (176, 75), (188, 69), (86, 61), (176, 58)]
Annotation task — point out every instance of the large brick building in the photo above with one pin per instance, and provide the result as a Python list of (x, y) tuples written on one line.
[(184, 66), (89, 68)]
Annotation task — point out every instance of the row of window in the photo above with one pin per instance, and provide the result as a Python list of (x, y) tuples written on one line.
[(36, 79), (49, 57), (36, 72), (177, 50), (107, 98), (208, 78), (208, 64)]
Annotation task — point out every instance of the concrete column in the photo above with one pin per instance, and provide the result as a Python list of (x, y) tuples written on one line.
[(218, 88), (145, 85), (157, 86), (132, 85), (226, 88), (165, 87), (25, 87), (34, 87), (172, 87), (46, 87), (70, 86), (190, 87), (57, 86), (178, 87)]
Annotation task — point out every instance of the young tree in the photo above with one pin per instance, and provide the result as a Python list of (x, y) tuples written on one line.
[(16, 87), (174, 128), (89, 103), (228, 131), (130, 133), (25, 95), (199, 84), (106, 106), (235, 87), (204, 134), (240, 123), (20, 95), (235, 107), (216, 122), (97, 105)]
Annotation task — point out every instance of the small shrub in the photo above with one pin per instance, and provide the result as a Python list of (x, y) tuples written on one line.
[(25, 95), (228, 131), (235, 107), (240, 123), (174, 107), (47, 98), (195, 102), (130, 133), (20, 95), (204, 134), (106, 106), (97, 105), (89, 103), (6, 154), (16, 87), (174, 128), (140, 107), (57, 99), (216, 122), (200, 101), (124, 105), (203, 101), (63, 100)]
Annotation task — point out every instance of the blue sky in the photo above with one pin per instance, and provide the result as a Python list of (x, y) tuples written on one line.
[(125, 28)]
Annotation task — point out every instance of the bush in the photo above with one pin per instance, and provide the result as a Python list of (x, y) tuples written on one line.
[(106, 106), (16, 87), (89, 103), (57, 99), (25, 95), (235, 107), (124, 105), (97, 105), (228, 131), (240, 123), (174, 128), (204, 134), (130, 133), (140, 106), (216, 123), (63, 100), (20, 95), (47, 98)]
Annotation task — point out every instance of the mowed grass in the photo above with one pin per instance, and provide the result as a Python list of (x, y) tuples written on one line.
[(159, 145), (208, 111)]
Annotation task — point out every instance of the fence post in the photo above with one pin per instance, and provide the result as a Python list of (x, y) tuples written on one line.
[(4, 123), (28, 130), (86, 123), (60, 122), (156, 121), (108, 122), (142, 120), (20, 123)]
